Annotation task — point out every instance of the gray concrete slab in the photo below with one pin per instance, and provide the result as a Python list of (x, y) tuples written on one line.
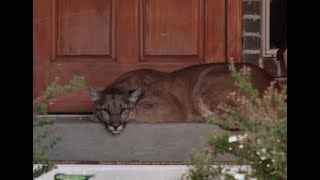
[(86, 141)]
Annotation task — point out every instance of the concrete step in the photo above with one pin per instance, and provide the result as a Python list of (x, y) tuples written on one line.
[(82, 140)]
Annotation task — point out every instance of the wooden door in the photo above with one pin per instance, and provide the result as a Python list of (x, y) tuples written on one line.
[(101, 39)]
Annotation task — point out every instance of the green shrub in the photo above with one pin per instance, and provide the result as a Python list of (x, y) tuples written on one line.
[(261, 142), (44, 141)]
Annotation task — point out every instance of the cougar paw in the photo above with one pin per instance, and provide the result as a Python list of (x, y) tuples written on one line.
[(93, 118)]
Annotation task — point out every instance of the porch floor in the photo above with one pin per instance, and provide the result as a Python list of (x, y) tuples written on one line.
[(86, 142)]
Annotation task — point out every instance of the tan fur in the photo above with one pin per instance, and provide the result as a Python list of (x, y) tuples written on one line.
[(186, 95)]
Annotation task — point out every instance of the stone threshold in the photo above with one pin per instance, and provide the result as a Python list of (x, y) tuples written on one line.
[(83, 141)]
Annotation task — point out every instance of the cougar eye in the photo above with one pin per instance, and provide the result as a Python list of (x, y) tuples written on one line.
[(107, 111), (123, 110)]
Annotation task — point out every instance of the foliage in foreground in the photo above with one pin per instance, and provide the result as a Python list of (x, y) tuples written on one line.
[(260, 145), (43, 141)]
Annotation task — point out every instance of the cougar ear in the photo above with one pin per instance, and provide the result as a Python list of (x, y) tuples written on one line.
[(94, 94), (135, 95)]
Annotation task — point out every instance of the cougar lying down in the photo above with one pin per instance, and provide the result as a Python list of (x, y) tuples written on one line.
[(187, 95)]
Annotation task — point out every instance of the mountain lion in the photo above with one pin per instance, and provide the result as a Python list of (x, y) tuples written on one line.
[(149, 96)]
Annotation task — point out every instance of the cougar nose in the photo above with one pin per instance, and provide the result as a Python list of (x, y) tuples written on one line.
[(116, 126)]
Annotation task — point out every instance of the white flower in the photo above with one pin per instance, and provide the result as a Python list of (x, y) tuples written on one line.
[(258, 153), (253, 179), (263, 150), (225, 170), (268, 155), (263, 158), (259, 141), (278, 140), (232, 139), (241, 138), (239, 176), (230, 148), (268, 165), (240, 146)]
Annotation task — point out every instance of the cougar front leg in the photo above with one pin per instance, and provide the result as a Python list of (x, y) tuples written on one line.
[(94, 118)]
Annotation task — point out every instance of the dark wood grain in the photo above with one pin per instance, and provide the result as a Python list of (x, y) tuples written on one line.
[(127, 31), (234, 30), (102, 39), (215, 31), (41, 45), (84, 27), (171, 27)]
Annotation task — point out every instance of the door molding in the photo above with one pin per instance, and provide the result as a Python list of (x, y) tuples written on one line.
[(46, 64)]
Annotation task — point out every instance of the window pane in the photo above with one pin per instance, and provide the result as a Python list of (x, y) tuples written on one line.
[(278, 23)]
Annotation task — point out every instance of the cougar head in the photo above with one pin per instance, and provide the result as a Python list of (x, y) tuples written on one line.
[(114, 108)]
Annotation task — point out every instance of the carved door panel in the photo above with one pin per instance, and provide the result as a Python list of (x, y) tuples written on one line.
[(101, 39)]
